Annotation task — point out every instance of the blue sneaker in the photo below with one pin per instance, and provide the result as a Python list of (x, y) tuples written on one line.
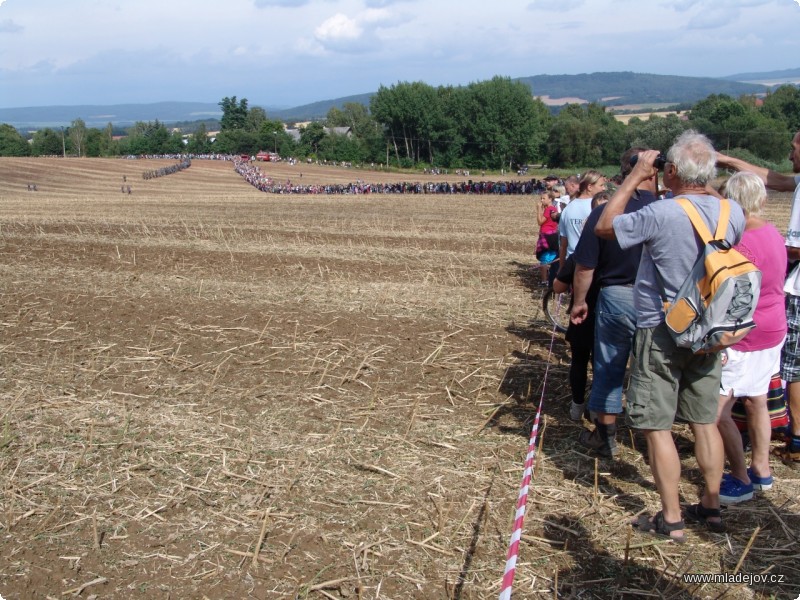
[(760, 483), (732, 491)]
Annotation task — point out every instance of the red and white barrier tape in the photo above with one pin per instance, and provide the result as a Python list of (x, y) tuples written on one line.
[(522, 499)]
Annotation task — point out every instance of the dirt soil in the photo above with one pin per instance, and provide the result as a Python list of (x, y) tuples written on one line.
[(211, 392)]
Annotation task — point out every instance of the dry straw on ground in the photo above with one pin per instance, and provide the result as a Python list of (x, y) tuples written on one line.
[(209, 392)]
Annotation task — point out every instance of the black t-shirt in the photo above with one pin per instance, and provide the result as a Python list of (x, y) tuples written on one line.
[(612, 265)]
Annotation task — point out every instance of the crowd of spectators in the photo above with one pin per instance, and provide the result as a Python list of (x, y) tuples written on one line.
[(630, 258)]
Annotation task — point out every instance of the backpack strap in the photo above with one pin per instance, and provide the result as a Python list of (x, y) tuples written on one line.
[(702, 230), (698, 223)]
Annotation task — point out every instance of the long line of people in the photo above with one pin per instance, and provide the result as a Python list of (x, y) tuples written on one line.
[(253, 175), (168, 170), (179, 156)]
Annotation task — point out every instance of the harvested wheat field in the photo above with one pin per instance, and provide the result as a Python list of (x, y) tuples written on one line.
[(211, 392)]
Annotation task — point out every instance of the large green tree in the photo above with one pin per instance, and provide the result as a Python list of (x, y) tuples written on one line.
[(234, 113), (503, 125), (585, 136), (409, 113), (12, 143), (47, 142)]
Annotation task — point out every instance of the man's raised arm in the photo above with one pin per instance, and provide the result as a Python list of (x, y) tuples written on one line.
[(773, 180)]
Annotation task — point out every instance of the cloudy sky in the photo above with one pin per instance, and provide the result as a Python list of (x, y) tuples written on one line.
[(283, 53)]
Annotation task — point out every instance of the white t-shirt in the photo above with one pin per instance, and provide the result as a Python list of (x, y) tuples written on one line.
[(570, 225), (793, 241)]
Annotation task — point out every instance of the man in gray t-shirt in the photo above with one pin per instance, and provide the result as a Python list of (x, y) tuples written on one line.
[(667, 381)]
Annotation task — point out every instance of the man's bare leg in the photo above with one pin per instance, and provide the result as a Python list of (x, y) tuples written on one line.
[(665, 465), (710, 456)]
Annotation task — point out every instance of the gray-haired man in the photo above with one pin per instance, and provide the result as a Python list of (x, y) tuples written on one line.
[(667, 381)]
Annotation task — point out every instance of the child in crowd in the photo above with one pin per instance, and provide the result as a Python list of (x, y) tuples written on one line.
[(547, 243)]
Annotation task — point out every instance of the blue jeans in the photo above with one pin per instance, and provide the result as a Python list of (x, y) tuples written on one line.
[(613, 335)]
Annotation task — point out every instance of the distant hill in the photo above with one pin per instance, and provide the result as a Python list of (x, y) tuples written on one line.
[(101, 115), (610, 89), (124, 115), (783, 75), (317, 110), (625, 87)]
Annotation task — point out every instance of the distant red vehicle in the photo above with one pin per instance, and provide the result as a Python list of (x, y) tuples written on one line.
[(267, 156)]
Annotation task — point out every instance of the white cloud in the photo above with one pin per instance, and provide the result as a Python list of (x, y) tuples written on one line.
[(340, 32)]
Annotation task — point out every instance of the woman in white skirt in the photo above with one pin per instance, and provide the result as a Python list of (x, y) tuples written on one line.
[(750, 364)]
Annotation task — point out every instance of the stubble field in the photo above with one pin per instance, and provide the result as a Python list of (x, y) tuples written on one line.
[(211, 392)]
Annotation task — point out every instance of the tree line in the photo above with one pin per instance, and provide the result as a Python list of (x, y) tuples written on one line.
[(494, 124)]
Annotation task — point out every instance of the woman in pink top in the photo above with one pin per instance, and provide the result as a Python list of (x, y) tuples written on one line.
[(751, 363)]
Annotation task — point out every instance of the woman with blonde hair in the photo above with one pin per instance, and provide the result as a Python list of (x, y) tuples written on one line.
[(749, 365), (574, 215)]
